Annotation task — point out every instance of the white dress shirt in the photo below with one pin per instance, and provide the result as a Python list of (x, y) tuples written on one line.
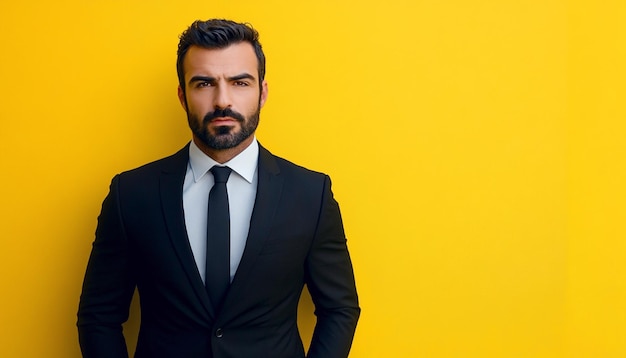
[(241, 186)]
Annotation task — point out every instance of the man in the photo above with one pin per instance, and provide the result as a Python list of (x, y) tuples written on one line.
[(220, 237)]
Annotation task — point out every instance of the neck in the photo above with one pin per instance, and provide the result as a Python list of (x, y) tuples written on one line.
[(223, 155)]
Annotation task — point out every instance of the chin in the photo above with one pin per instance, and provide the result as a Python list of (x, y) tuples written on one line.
[(223, 131)]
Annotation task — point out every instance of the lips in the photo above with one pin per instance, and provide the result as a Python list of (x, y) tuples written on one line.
[(223, 120)]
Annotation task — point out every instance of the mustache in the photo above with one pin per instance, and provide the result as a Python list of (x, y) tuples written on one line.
[(226, 112)]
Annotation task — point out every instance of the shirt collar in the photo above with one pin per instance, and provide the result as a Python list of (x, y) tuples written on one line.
[(244, 164)]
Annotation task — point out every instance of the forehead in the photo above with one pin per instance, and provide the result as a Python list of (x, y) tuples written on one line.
[(235, 59)]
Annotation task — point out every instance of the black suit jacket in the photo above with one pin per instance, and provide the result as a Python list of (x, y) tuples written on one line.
[(296, 237)]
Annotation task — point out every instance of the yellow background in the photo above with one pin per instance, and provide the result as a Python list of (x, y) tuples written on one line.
[(498, 232)]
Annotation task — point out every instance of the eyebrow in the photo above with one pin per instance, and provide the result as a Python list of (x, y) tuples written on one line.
[(238, 77), (201, 79), (242, 76)]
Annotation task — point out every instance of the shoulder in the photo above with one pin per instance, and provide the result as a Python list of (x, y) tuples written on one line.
[(284, 167), (296, 179), (147, 177), (174, 163)]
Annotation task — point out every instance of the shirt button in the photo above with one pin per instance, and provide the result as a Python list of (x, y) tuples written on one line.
[(219, 333)]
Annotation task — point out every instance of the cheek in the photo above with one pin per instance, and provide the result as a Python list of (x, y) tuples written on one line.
[(251, 104), (197, 105)]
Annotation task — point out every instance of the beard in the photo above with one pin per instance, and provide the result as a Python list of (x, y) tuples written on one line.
[(225, 137)]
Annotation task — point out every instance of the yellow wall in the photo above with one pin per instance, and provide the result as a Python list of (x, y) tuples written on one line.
[(499, 233)]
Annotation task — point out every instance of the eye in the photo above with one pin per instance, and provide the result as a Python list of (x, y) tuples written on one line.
[(241, 83), (203, 84)]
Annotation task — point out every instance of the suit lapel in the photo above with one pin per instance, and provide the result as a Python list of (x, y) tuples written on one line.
[(171, 185), (269, 189)]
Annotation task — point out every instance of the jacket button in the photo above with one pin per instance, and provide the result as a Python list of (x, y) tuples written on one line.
[(219, 333)]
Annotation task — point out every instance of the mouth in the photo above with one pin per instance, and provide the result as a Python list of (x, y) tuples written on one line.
[(223, 120)]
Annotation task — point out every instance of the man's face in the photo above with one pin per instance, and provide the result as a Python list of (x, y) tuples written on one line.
[(223, 96)]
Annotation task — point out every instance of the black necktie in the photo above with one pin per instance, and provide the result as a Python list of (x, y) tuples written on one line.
[(218, 238)]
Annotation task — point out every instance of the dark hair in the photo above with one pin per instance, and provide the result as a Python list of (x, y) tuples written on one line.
[(218, 33)]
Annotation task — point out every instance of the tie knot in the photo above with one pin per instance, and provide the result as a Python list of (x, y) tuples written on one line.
[(221, 174)]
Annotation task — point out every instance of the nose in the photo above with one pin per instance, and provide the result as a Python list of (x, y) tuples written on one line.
[(223, 97)]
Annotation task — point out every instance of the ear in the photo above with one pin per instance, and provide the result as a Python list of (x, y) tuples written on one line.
[(181, 98), (263, 93)]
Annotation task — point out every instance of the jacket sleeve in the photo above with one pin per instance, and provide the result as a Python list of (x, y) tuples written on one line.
[(108, 285), (330, 280)]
